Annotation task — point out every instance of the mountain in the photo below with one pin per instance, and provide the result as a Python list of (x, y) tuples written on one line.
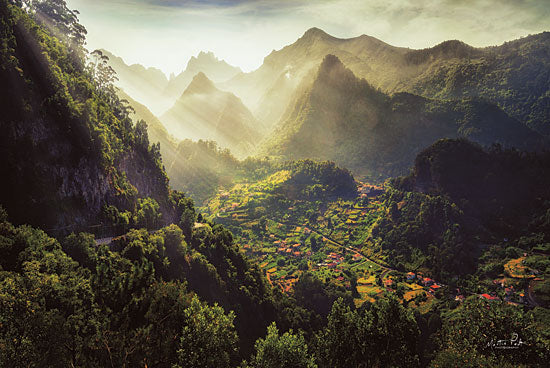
[(205, 62), (70, 154), (205, 112), (514, 75), (145, 85), (364, 55), (343, 118)]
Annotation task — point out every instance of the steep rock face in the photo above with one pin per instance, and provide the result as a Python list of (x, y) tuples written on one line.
[(205, 112), (66, 153), (340, 117)]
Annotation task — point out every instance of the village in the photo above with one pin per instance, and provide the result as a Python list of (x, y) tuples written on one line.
[(293, 237)]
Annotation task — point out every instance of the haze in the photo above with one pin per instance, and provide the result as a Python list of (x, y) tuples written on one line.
[(166, 33)]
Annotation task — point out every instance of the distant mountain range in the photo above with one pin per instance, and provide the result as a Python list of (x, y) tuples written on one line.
[(494, 94), (144, 85), (514, 75), (343, 118), (151, 87)]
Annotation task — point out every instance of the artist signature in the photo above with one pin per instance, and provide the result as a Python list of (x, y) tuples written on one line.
[(514, 343)]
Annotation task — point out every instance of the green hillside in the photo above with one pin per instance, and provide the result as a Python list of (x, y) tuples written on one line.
[(462, 203)]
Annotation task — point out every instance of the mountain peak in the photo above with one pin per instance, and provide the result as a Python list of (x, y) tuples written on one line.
[(316, 34), (206, 55), (200, 84), (203, 58)]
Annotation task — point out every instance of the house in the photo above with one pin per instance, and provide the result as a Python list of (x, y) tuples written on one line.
[(411, 276), (357, 257), (460, 298), (435, 287), (297, 254), (332, 265), (388, 282), (489, 297), (427, 281)]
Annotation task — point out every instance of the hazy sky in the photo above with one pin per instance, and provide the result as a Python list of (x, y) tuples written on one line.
[(166, 33)]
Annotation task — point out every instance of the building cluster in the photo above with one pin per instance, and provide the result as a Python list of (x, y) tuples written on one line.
[(427, 282), (293, 250), (332, 261)]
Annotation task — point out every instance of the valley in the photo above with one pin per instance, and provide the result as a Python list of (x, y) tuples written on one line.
[(345, 203)]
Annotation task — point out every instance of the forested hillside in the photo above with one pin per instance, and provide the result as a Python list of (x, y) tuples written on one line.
[(69, 148), (342, 118), (461, 202)]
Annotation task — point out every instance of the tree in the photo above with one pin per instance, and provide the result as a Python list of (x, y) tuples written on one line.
[(56, 16), (383, 336), (340, 343), (80, 248), (148, 214), (288, 350), (208, 338)]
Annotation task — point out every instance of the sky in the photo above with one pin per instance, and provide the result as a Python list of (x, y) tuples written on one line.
[(166, 33)]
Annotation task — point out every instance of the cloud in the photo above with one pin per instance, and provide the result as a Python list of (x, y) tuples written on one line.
[(421, 23), (168, 32)]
